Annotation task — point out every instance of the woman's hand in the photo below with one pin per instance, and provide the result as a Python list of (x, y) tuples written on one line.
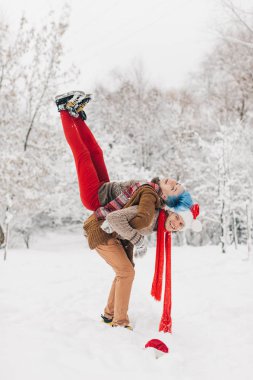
[(107, 227)]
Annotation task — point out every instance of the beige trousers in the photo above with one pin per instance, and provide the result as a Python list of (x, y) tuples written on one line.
[(117, 304)]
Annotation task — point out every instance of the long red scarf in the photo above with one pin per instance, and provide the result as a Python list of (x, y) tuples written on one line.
[(163, 238)]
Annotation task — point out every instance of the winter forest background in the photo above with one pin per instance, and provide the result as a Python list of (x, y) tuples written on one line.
[(201, 134)]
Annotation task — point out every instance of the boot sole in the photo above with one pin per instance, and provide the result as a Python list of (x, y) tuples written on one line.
[(60, 99)]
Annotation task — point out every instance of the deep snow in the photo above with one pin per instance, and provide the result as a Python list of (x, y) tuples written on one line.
[(51, 297)]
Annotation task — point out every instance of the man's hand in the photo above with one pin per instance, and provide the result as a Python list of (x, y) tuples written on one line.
[(140, 248)]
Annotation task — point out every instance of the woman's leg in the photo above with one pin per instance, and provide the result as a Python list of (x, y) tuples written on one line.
[(89, 182), (94, 149), (117, 305)]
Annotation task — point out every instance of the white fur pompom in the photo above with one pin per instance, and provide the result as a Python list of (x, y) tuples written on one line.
[(196, 225)]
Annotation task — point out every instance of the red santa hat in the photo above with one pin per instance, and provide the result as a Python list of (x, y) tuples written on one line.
[(158, 346)]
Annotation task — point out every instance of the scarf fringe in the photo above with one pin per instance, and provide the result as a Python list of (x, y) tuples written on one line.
[(166, 324)]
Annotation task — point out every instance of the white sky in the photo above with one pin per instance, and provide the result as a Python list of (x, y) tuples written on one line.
[(170, 38)]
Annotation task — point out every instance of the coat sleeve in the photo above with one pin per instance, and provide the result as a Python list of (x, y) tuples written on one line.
[(145, 211), (119, 221)]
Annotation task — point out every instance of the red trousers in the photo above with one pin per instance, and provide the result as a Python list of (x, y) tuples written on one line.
[(89, 160)]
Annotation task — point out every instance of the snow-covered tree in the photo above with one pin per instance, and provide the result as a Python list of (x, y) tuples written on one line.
[(33, 159)]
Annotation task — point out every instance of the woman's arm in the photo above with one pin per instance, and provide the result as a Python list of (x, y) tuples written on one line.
[(119, 221)]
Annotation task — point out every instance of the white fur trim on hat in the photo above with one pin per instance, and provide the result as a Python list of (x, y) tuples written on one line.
[(189, 222)]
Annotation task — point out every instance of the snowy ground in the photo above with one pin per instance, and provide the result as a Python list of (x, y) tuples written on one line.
[(51, 297)]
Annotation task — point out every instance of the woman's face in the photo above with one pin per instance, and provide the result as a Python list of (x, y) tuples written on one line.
[(169, 187), (174, 222)]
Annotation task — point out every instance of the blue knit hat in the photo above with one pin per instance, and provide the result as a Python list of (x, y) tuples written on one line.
[(179, 202)]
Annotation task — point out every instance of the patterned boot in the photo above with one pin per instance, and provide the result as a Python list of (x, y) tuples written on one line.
[(63, 99), (109, 322), (73, 102), (76, 105)]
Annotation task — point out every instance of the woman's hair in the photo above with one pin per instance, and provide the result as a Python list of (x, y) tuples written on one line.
[(180, 202), (156, 180)]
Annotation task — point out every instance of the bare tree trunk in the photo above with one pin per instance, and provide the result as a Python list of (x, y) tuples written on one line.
[(235, 230), (8, 218), (223, 228), (248, 213), (27, 240), (6, 241), (44, 89), (1, 236)]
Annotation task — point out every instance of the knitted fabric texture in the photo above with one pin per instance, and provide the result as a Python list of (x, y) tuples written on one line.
[(120, 201), (97, 236)]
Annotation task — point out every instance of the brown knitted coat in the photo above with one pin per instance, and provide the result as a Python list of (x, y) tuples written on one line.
[(147, 200)]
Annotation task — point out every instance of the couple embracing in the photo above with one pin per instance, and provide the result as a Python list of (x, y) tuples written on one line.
[(123, 212)]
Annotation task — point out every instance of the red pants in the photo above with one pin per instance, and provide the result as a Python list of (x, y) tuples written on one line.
[(89, 160)]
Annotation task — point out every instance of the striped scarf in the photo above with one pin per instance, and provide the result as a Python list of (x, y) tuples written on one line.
[(121, 200)]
